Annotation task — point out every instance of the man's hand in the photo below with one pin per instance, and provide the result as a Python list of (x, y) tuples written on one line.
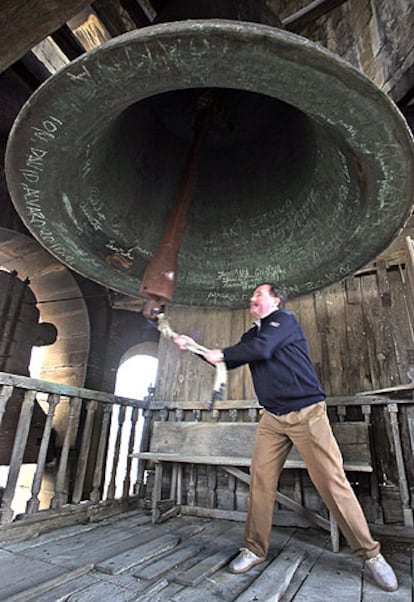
[(183, 341), (214, 356)]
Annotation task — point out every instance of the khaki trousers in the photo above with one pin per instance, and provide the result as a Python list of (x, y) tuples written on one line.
[(310, 431)]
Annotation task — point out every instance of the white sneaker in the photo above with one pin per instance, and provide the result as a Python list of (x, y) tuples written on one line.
[(245, 561), (382, 573)]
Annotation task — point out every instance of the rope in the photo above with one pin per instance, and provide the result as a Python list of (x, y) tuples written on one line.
[(220, 380)]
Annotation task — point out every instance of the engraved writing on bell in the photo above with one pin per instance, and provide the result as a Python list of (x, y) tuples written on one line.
[(36, 216), (30, 194), (37, 220), (247, 278), (30, 176), (34, 165), (92, 207), (85, 168), (35, 158), (47, 235), (47, 129), (83, 75), (113, 246), (219, 296)]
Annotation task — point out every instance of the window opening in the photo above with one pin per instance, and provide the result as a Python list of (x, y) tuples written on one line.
[(134, 377)]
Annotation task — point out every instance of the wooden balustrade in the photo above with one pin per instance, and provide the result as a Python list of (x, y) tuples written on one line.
[(79, 466), (386, 494), (84, 410)]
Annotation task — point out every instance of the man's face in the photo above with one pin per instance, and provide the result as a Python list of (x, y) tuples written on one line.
[(262, 302)]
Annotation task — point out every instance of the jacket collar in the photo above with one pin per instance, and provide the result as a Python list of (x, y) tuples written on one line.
[(258, 322)]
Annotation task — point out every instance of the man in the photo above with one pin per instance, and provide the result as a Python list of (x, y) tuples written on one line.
[(294, 413)]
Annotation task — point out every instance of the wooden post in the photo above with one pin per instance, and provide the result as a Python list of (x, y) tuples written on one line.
[(112, 482), (409, 268), (212, 484), (96, 494), (143, 447), (131, 442), (6, 393), (60, 496), (156, 494), (22, 432), (33, 504), (366, 412), (402, 478), (84, 451), (192, 486)]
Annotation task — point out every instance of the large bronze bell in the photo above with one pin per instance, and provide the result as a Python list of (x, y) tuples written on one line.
[(305, 172)]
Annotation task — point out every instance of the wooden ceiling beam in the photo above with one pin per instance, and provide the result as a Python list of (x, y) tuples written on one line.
[(68, 42), (114, 16), (314, 10), (136, 13), (25, 23)]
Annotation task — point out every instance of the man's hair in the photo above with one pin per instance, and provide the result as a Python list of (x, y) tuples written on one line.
[(277, 291)]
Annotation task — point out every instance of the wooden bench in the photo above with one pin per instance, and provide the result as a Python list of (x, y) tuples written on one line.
[(230, 445)]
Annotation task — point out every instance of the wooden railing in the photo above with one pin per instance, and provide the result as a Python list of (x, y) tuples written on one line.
[(91, 479), (386, 494), (78, 458)]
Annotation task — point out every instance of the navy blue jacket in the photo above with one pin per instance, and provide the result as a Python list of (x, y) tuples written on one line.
[(277, 353)]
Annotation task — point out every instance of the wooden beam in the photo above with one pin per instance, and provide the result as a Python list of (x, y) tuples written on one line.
[(136, 12), (68, 42), (25, 23), (311, 12), (114, 16), (44, 386), (312, 517)]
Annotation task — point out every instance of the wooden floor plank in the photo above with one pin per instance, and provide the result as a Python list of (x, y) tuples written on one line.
[(314, 542), (207, 566), (66, 591), (169, 592), (139, 520), (96, 546), (57, 535), (202, 543), (102, 591), (192, 594), (334, 573), (138, 555), (35, 592), (149, 594), (166, 563), (191, 528), (85, 542), (203, 548), (275, 580), (224, 585), (16, 575), (219, 547)]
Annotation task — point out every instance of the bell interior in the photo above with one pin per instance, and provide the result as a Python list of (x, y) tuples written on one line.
[(262, 199)]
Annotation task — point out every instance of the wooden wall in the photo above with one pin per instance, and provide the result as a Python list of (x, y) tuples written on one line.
[(360, 334), (373, 35)]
